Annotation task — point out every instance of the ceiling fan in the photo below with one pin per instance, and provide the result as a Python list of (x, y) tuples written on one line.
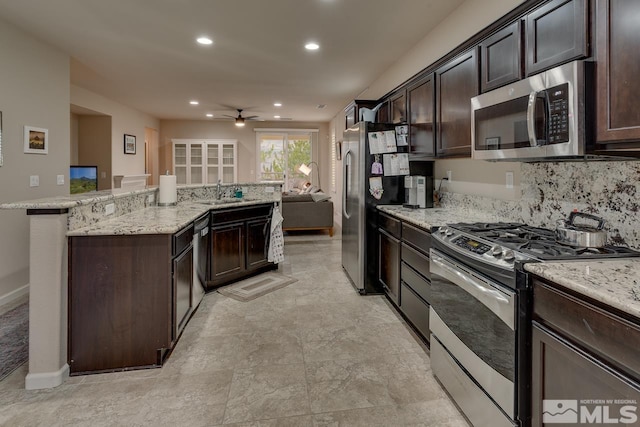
[(240, 120)]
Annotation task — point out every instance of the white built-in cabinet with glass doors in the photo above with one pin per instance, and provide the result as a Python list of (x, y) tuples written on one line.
[(205, 161)]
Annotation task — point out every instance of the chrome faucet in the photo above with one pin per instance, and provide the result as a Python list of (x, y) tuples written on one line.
[(218, 191)]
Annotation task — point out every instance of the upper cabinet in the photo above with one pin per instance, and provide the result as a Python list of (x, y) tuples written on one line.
[(352, 112), (456, 84), (382, 115), (421, 100), (501, 58), (197, 161), (398, 107), (618, 67), (556, 33)]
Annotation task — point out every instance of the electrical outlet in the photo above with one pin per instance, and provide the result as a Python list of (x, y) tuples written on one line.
[(60, 180), (34, 181), (245, 190), (269, 189), (109, 209), (103, 175), (449, 176), (151, 198), (509, 178)]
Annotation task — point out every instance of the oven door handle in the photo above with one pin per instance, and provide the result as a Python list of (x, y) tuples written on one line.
[(500, 303)]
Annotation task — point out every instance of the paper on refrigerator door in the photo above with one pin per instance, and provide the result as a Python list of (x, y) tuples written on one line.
[(382, 142), (395, 164)]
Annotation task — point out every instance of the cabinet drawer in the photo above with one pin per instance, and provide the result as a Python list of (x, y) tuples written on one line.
[(418, 238), (389, 224), (415, 281), (416, 310), (611, 337), (181, 240), (417, 260), (240, 214)]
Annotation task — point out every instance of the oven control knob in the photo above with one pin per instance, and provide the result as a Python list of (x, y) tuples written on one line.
[(448, 232), (442, 230), (509, 255), (496, 251)]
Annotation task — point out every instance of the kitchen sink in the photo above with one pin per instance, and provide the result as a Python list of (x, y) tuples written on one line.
[(225, 201)]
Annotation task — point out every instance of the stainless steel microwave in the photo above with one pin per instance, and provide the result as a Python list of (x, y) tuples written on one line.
[(535, 119)]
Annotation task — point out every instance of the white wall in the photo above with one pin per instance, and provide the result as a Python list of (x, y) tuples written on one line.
[(34, 88), (246, 136), (124, 120)]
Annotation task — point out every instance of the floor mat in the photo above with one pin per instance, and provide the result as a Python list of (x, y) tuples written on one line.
[(256, 286)]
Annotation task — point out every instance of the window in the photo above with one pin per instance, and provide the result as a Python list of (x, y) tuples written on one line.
[(333, 161), (280, 154)]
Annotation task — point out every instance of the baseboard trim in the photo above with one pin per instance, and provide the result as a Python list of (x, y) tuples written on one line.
[(14, 295), (46, 379)]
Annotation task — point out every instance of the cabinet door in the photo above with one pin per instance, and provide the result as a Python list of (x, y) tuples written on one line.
[(456, 84), (556, 33), (182, 281), (227, 250), (258, 233), (560, 371), (389, 264), (398, 107), (180, 162), (421, 99), (618, 85), (501, 59), (382, 116), (350, 116)]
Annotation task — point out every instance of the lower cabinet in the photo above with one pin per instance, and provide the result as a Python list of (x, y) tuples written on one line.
[(389, 264), (403, 269), (239, 241), (129, 298), (585, 356)]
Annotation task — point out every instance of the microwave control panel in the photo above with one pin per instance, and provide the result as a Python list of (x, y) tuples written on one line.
[(558, 113)]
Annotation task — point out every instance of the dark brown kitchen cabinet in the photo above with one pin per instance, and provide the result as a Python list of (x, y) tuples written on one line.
[(421, 100), (227, 251), (581, 350), (556, 32), (382, 115), (398, 107), (129, 298), (352, 112), (456, 84), (501, 58), (239, 241), (258, 233), (618, 68), (389, 264)]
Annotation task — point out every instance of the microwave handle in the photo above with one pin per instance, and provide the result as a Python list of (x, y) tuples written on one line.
[(531, 120), (534, 141)]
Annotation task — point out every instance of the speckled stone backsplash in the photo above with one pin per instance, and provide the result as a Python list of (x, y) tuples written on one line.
[(88, 214), (249, 191), (550, 191)]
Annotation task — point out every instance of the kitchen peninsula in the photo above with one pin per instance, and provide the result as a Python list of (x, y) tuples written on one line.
[(53, 221)]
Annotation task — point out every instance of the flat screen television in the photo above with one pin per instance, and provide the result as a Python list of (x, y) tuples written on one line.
[(83, 179)]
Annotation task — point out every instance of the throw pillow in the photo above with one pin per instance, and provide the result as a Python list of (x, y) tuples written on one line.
[(320, 197)]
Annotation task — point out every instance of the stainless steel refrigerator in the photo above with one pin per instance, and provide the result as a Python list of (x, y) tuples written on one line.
[(359, 213)]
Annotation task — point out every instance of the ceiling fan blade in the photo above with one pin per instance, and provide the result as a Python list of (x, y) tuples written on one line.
[(231, 117), (251, 117)]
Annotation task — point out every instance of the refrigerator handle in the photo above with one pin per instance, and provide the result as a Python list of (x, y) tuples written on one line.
[(345, 182)]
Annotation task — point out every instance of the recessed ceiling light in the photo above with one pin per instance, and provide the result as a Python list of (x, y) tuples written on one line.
[(312, 46), (277, 104), (321, 106), (204, 40), (209, 115), (276, 117), (194, 102)]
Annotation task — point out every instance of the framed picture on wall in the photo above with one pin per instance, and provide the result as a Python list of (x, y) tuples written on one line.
[(339, 150), (36, 140), (129, 144)]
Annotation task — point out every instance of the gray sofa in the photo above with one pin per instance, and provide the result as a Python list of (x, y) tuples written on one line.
[(301, 212)]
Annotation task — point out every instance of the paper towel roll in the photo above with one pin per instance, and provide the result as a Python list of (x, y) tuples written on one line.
[(168, 194)]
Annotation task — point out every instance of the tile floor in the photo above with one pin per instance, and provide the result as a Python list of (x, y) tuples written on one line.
[(314, 353)]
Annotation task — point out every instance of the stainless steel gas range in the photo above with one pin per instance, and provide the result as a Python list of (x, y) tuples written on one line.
[(480, 315)]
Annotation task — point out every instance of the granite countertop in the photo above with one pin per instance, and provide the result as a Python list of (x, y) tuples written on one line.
[(433, 217), (615, 282), (158, 219), (73, 200)]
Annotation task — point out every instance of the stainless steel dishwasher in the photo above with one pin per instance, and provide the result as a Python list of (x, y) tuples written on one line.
[(201, 258)]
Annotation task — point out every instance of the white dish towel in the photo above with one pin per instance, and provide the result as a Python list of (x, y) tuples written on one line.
[(276, 242)]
